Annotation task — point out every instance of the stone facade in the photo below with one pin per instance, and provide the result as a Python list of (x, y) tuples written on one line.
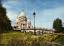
[(23, 22)]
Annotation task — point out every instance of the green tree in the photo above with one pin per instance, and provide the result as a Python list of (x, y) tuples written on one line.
[(5, 23), (57, 25), (63, 29)]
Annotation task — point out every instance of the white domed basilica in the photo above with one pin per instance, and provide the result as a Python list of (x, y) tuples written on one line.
[(22, 22)]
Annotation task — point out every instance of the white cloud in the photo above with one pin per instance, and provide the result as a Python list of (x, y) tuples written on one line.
[(11, 3), (47, 16), (6, 6), (12, 16), (54, 12)]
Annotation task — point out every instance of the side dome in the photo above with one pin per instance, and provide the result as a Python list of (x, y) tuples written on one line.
[(29, 20)]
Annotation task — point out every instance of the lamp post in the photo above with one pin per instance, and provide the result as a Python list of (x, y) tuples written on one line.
[(34, 23)]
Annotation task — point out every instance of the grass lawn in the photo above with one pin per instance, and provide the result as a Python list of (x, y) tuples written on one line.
[(28, 38)]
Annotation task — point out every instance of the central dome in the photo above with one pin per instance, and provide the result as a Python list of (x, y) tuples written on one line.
[(22, 14)]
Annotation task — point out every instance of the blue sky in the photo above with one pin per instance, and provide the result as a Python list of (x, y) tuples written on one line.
[(46, 10)]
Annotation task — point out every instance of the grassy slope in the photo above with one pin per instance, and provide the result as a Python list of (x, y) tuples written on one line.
[(6, 37)]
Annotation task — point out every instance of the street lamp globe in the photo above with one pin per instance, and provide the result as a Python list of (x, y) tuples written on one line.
[(34, 13)]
